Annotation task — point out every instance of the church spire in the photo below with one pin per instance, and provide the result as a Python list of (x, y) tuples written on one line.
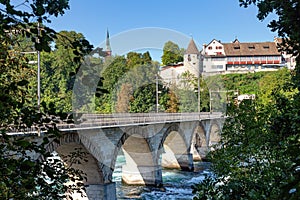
[(108, 48)]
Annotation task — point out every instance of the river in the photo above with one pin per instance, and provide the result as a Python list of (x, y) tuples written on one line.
[(177, 183)]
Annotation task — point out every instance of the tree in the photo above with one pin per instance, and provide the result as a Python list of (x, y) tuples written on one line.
[(22, 176), (114, 72), (257, 157), (172, 103), (276, 82), (171, 53), (124, 98), (60, 66), (254, 159)]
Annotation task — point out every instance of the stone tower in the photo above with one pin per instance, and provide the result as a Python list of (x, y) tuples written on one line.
[(191, 59)]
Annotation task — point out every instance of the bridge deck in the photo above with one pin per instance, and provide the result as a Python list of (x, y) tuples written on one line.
[(96, 121)]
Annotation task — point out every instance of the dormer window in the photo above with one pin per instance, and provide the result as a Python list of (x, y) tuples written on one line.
[(236, 47), (251, 47), (266, 47)]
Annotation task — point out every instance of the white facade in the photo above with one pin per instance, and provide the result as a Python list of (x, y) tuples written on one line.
[(214, 57), (192, 63), (214, 48), (171, 74)]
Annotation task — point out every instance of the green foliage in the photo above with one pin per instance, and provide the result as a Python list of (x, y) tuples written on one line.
[(172, 102), (257, 157), (22, 175), (279, 82), (130, 82), (144, 99), (171, 53), (59, 68), (124, 98), (253, 160), (187, 100), (114, 72), (244, 83), (17, 21)]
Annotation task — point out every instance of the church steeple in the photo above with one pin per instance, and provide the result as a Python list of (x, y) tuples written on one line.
[(108, 48)]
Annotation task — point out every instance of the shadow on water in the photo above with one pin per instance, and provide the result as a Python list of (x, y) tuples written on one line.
[(177, 184)]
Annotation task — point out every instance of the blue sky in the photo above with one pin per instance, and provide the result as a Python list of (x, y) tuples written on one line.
[(203, 19)]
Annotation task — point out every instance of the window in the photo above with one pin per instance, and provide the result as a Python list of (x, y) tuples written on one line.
[(210, 48), (217, 59), (256, 58), (217, 67), (236, 47), (189, 57), (266, 46), (251, 47)]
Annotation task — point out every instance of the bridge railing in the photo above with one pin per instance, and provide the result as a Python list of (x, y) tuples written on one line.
[(126, 119), (93, 121)]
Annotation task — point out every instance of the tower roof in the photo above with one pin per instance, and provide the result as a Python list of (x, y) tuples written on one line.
[(192, 48), (108, 48)]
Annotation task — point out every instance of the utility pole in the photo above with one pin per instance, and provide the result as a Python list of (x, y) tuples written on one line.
[(199, 91), (39, 72), (156, 82), (210, 101)]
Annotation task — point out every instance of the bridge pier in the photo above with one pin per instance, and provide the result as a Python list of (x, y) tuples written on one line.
[(101, 191), (142, 175), (185, 161), (177, 161)]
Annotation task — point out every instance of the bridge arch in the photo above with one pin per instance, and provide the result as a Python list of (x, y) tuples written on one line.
[(175, 148), (141, 165), (70, 142), (199, 142), (214, 133)]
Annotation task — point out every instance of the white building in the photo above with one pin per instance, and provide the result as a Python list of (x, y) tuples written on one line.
[(238, 57), (191, 62), (235, 57)]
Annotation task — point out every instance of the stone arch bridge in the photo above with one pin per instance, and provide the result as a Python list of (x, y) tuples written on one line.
[(148, 141)]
